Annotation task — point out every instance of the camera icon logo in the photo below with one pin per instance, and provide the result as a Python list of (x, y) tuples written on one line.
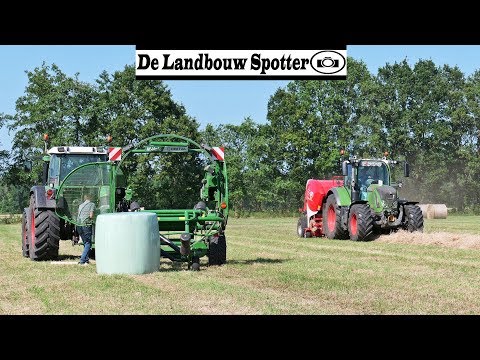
[(328, 62)]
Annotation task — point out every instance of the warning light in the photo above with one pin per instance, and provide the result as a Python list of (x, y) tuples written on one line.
[(109, 138), (45, 137), (223, 205), (49, 193)]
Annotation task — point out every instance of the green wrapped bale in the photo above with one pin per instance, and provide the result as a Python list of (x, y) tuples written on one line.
[(127, 243)]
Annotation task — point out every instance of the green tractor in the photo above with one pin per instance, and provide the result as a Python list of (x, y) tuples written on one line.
[(186, 235), (42, 228), (363, 203)]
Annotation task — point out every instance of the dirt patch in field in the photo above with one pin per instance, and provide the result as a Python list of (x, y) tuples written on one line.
[(454, 240)]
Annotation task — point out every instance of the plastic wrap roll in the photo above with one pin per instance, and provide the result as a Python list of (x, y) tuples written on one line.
[(127, 243)]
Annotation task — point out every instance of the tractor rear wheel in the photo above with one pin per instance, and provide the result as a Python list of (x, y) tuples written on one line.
[(413, 218), (301, 226), (43, 233), (217, 252), (25, 228), (332, 221), (360, 222)]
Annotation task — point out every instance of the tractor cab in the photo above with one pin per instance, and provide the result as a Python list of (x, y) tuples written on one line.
[(370, 172), (361, 174), (63, 159)]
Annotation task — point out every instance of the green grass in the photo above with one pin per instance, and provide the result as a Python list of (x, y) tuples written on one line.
[(269, 271), (463, 224)]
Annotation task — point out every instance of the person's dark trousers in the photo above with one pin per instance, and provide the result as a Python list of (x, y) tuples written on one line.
[(86, 233)]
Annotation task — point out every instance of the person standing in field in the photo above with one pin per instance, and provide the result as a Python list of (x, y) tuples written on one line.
[(85, 217)]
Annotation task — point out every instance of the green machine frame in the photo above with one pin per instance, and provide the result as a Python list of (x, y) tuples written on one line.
[(186, 234)]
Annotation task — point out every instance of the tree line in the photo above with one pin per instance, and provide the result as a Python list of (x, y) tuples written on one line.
[(425, 114)]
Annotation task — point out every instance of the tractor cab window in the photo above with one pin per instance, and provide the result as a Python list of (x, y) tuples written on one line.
[(348, 178), (372, 172), (71, 161), (54, 170)]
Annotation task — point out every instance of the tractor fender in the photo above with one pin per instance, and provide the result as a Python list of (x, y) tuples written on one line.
[(342, 197), (41, 199)]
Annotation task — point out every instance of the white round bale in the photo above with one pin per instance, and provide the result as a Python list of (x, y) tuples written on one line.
[(127, 243)]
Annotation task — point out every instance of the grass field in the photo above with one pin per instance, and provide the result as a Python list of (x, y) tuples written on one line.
[(269, 271)]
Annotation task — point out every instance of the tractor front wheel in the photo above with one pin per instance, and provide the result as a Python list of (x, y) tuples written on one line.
[(360, 222), (43, 233), (301, 226), (413, 218), (217, 251), (332, 221)]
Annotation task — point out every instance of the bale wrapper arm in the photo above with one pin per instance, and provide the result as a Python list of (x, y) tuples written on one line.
[(189, 234)]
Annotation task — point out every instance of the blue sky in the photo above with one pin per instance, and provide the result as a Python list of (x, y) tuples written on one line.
[(208, 101)]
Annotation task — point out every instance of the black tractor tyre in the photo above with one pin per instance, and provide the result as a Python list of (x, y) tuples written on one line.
[(44, 233), (302, 224), (25, 229), (413, 218), (217, 252), (91, 254), (332, 222), (360, 222)]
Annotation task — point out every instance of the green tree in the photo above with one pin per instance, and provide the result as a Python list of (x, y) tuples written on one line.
[(423, 110), (77, 113), (132, 110), (471, 145), (250, 166), (311, 121), (53, 103)]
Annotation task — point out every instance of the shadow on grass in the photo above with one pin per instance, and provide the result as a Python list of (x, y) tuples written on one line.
[(256, 261), (67, 257), (176, 266)]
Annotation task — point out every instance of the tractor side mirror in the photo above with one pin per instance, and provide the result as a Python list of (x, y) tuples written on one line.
[(27, 166), (344, 168), (406, 169), (45, 173)]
